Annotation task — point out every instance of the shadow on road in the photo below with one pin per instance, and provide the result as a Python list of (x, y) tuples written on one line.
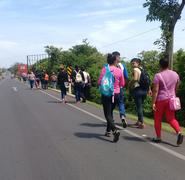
[(92, 125), (92, 135), (132, 138), (163, 142)]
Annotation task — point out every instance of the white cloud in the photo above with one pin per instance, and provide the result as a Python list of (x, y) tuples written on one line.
[(109, 12), (110, 31), (7, 44)]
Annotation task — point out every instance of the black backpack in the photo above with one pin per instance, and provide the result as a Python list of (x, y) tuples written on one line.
[(144, 81)]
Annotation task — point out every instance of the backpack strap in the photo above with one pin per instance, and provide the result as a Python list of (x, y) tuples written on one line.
[(164, 84)]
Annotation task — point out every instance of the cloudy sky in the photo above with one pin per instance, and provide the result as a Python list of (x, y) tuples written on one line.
[(28, 26)]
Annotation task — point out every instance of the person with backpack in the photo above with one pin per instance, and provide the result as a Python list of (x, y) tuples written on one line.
[(63, 82), (110, 81), (78, 80), (53, 79), (139, 86), (121, 98), (165, 86), (86, 86)]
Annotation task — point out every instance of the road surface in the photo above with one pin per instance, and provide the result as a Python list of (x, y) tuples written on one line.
[(43, 139)]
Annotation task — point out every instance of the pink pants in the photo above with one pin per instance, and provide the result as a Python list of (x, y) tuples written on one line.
[(162, 107)]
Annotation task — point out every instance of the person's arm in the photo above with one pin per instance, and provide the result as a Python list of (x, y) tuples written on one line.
[(101, 75), (155, 90)]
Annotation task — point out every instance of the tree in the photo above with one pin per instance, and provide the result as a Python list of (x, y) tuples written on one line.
[(54, 54), (168, 12)]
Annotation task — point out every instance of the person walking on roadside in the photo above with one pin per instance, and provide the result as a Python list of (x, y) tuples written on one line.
[(111, 75), (42, 79), (121, 98), (165, 86), (37, 79), (78, 80), (53, 79), (62, 81), (31, 78), (138, 90), (86, 86), (46, 80)]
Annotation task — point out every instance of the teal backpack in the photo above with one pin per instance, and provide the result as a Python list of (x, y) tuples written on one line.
[(107, 83)]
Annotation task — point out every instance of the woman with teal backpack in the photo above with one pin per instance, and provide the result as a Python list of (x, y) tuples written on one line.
[(110, 81)]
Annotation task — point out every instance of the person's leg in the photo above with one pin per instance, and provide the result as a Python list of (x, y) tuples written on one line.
[(106, 109), (158, 115), (121, 104), (83, 92), (170, 117), (139, 108)]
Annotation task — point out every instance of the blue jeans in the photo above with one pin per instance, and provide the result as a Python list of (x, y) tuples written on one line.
[(78, 89), (31, 84), (121, 104), (139, 97)]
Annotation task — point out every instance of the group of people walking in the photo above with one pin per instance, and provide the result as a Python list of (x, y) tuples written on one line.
[(80, 80), (112, 82)]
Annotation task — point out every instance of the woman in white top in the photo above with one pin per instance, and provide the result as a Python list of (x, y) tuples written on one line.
[(31, 77)]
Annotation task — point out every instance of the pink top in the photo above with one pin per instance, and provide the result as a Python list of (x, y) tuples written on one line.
[(119, 79), (170, 78)]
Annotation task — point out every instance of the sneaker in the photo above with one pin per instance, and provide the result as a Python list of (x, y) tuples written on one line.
[(108, 134), (156, 140), (116, 136), (124, 122), (180, 139)]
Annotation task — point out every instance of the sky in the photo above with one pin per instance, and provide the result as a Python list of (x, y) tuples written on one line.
[(28, 26)]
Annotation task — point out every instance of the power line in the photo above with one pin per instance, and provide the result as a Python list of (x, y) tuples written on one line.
[(136, 35), (131, 37)]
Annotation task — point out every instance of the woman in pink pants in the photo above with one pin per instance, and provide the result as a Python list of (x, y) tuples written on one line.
[(160, 100)]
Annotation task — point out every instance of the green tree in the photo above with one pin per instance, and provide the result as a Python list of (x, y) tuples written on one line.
[(55, 54), (168, 12)]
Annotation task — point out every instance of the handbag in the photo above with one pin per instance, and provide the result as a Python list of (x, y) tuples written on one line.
[(174, 102)]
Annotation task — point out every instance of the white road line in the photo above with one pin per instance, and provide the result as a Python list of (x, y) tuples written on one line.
[(169, 151)]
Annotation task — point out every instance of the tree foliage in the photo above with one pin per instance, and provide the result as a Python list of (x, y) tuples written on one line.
[(168, 12)]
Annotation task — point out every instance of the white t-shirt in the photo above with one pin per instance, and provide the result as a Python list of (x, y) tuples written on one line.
[(86, 76)]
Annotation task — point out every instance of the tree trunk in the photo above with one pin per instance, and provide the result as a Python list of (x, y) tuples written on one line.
[(169, 48)]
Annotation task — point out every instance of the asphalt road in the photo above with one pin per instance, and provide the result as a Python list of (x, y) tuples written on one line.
[(43, 139)]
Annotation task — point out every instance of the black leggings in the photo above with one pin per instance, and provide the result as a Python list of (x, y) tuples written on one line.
[(108, 108)]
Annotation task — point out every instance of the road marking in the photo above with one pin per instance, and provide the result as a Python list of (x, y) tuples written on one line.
[(15, 89), (169, 151)]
